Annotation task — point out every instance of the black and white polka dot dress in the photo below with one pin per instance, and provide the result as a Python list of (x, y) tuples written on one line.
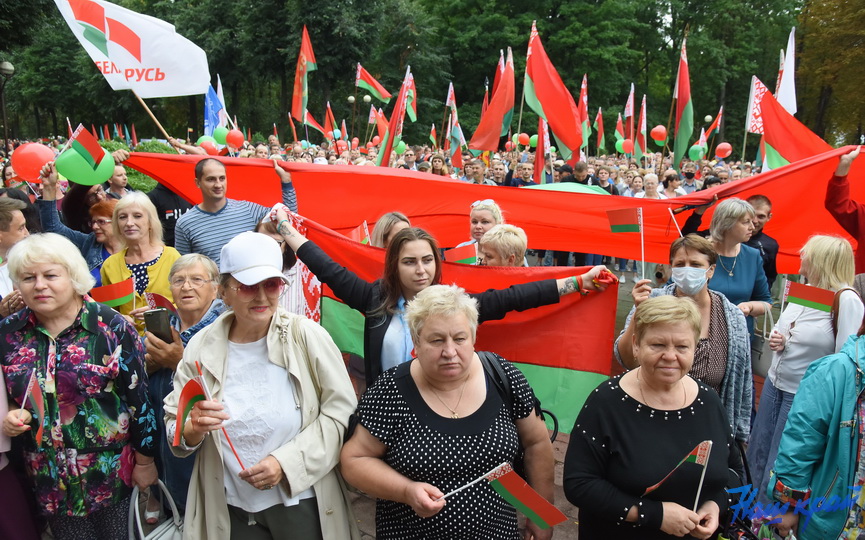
[(447, 453), (140, 278)]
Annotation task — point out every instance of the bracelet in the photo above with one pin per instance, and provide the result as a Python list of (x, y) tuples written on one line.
[(278, 225), (578, 282)]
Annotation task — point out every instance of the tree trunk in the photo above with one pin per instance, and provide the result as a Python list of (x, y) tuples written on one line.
[(822, 111), (53, 113), (39, 130)]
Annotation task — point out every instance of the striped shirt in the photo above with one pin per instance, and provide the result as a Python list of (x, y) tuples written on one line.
[(204, 232)]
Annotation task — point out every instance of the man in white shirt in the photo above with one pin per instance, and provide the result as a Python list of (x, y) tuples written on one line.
[(13, 229)]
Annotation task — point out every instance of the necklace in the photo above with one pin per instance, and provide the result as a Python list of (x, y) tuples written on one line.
[(438, 397), (643, 397), (730, 271)]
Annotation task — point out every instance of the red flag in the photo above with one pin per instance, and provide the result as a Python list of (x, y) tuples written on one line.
[(293, 129), (84, 144), (486, 102), (394, 129), (156, 300), (115, 294), (310, 121), (364, 80), (34, 393), (381, 123), (134, 136), (788, 140), (715, 126), (540, 152), (411, 100), (193, 392), (95, 133), (547, 95), (467, 254), (699, 455), (432, 137), (329, 122), (275, 133), (620, 131), (305, 63), (69, 126), (106, 135), (684, 109), (599, 128), (511, 486), (497, 120), (372, 115), (500, 70), (451, 99), (344, 131), (629, 115), (640, 144)]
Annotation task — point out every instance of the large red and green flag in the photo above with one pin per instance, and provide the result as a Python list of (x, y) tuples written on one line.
[(411, 97), (496, 122), (684, 110), (715, 126), (629, 115), (115, 294), (366, 81), (808, 296), (599, 128), (548, 96), (625, 220), (620, 130), (699, 455), (397, 116), (305, 63), (583, 108), (467, 254), (85, 145), (137, 52), (785, 138), (329, 122), (432, 136), (193, 392), (640, 149), (514, 489), (34, 394)]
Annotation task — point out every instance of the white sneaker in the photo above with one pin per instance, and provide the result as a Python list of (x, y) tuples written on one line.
[(636, 278), (623, 279)]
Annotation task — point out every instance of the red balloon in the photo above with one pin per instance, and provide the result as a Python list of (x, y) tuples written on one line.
[(369, 145), (628, 146), (210, 148), (658, 133), (722, 150), (354, 143), (235, 138), (524, 139), (341, 145), (509, 146), (28, 159), (376, 140)]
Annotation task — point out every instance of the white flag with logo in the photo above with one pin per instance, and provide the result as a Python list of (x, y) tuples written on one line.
[(137, 52)]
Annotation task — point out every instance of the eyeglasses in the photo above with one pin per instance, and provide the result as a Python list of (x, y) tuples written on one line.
[(94, 196), (273, 288), (483, 202), (195, 281), (101, 222)]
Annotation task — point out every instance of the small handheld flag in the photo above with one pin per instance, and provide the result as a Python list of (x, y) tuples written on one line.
[(34, 393), (115, 294), (808, 296), (192, 393), (699, 455), (156, 300), (625, 220), (464, 255)]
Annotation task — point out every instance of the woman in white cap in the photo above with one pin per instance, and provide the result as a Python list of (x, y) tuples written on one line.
[(280, 390)]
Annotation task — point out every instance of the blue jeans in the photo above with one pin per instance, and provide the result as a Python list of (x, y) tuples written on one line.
[(594, 260), (766, 435)]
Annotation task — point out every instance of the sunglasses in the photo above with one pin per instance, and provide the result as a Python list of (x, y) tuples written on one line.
[(483, 202), (273, 288)]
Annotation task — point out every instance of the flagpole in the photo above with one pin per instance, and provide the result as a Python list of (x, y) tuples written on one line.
[(473, 482), (744, 145), (703, 477), (642, 245), (353, 110), (444, 118), (152, 117), (676, 223)]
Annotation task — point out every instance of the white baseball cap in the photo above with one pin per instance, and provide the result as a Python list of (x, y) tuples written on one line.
[(251, 258)]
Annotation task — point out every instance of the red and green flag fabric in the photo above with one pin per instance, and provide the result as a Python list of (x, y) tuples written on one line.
[(34, 394), (541, 151), (715, 126), (93, 130), (808, 296), (397, 116), (451, 98), (305, 63), (786, 139), (620, 130), (496, 121), (193, 392), (699, 455), (381, 123), (500, 70), (106, 135), (372, 115), (411, 97), (343, 130), (629, 115), (640, 149), (329, 122), (432, 136), (467, 254), (455, 140), (599, 129), (684, 110), (115, 294), (486, 102), (310, 121), (512, 488), (366, 81), (86, 146), (134, 136), (583, 108), (156, 300), (625, 220), (360, 234), (548, 96)]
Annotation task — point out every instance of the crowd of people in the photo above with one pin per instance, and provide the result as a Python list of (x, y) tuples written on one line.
[(92, 401)]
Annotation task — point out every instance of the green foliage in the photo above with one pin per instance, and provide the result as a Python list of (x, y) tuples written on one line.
[(137, 180)]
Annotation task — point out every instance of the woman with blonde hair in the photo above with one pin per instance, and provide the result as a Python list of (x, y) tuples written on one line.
[(484, 216), (144, 257), (387, 226), (503, 245), (802, 335)]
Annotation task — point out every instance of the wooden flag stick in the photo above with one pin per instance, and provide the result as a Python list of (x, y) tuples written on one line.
[(444, 118), (473, 482), (210, 398), (152, 116), (703, 477)]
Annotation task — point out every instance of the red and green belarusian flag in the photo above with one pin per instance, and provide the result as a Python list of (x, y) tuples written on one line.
[(329, 122), (715, 126), (360, 234), (34, 394), (156, 300), (305, 64), (193, 392), (115, 294), (372, 115), (411, 97), (599, 128), (381, 123), (808, 296), (620, 130), (496, 121), (629, 115), (785, 138), (699, 455), (394, 128), (548, 96), (625, 220), (467, 254), (640, 142), (542, 148), (684, 110), (583, 108), (86, 145), (310, 121), (432, 136), (366, 81), (514, 489)]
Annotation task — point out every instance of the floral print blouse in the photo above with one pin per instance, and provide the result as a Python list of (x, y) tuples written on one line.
[(97, 411)]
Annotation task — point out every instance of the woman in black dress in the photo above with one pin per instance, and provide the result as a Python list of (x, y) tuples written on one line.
[(434, 424), (624, 466)]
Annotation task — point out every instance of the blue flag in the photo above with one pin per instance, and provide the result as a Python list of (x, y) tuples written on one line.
[(212, 106)]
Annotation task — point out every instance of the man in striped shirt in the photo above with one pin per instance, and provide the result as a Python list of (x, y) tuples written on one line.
[(208, 226)]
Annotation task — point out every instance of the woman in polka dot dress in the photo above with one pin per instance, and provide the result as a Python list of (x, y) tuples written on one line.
[(434, 424)]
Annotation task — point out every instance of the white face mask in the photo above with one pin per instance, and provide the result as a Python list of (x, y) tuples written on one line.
[(689, 280)]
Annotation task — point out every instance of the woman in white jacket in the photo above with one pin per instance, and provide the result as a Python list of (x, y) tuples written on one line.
[(280, 389)]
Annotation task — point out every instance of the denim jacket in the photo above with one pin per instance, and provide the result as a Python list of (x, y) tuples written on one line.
[(90, 249)]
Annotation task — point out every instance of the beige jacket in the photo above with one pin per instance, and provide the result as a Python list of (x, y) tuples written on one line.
[(316, 368)]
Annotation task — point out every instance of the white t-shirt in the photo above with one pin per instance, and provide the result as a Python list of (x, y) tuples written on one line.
[(264, 416), (5, 281)]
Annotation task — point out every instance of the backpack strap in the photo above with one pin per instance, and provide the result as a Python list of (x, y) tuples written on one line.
[(836, 301)]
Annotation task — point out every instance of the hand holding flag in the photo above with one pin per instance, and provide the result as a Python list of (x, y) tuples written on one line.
[(34, 393)]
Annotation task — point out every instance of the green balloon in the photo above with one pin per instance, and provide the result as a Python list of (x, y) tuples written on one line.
[(552, 149), (533, 141), (619, 148), (516, 138), (662, 142), (219, 134), (400, 148), (74, 167), (204, 138), (696, 152)]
